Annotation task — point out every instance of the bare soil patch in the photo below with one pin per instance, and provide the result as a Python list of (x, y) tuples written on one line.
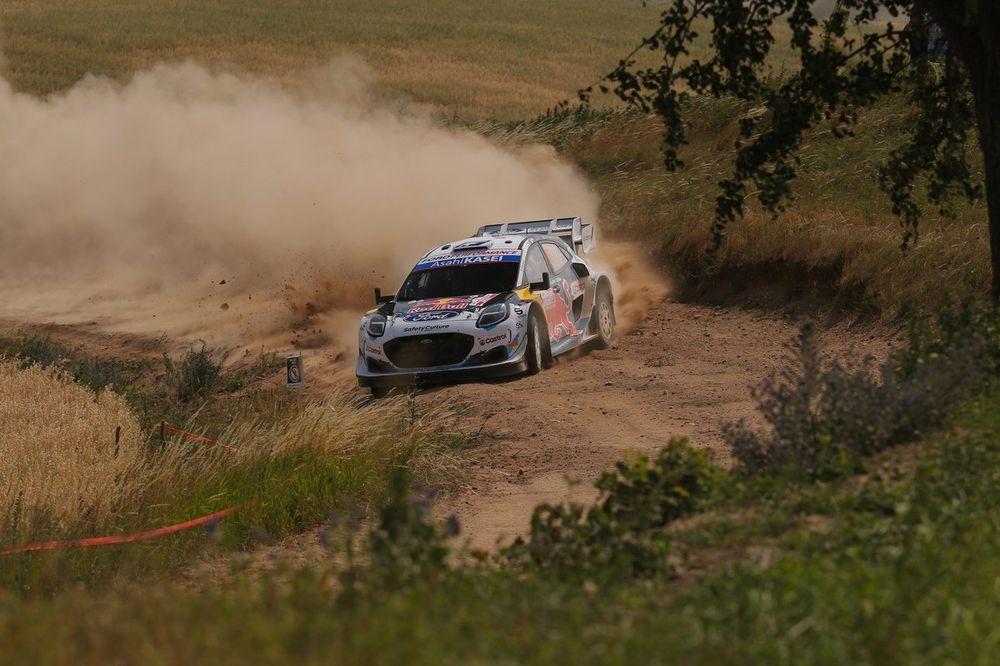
[(681, 372)]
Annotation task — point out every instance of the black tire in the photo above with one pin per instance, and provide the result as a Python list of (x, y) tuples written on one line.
[(604, 319), (379, 392), (538, 353)]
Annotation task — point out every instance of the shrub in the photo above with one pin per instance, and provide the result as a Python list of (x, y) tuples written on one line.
[(36, 350), (622, 534), (94, 373), (405, 547), (823, 417), (197, 375)]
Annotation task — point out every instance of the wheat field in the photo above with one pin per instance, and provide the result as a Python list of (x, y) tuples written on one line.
[(58, 456), (473, 59)]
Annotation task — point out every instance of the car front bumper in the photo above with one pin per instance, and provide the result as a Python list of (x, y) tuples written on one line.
[(378, 371), (430, 376)]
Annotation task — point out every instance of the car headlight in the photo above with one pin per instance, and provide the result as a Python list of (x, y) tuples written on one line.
[(376, 325), (493, 315)]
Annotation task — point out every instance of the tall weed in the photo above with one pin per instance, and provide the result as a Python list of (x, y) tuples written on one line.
[(823, 417), (197, 374)]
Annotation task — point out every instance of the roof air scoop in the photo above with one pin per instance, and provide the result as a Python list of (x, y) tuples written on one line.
[(473, 245)]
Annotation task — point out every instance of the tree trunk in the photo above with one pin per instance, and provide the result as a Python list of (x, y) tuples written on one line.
[(988, 112), (973, 29)]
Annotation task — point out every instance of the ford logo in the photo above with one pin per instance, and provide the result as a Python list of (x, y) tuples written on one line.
[(431, 316)]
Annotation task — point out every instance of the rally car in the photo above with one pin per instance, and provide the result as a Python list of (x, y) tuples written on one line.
[(504, 302)]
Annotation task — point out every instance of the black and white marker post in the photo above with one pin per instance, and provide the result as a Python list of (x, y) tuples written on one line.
[(293, 370)]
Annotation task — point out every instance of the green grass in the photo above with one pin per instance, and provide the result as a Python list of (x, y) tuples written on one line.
[(283, 494), (904, 572), (290, 494), (896, 562)]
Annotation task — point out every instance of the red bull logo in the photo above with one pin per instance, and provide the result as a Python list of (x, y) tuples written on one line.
[(557, 311)]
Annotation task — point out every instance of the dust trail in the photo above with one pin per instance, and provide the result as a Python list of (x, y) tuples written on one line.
[(638, 285), (206, 204)]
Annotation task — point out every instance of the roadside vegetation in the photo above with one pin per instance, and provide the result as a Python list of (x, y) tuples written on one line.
[(888, 554), (168, 388), (858, 526), (78, 462), (837, 247)]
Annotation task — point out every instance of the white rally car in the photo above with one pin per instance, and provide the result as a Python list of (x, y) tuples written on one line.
[(504, 302)]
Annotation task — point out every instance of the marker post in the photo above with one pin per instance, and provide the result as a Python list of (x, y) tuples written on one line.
[(293, 370)]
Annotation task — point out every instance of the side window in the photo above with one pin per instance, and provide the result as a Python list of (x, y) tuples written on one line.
[(534, 264), (556, 257)]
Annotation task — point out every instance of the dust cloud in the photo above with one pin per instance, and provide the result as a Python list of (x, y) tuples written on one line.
[(638, 286), (213, 205), (199, 204)]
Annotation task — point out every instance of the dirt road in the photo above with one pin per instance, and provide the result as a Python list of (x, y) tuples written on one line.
[(680, 373)]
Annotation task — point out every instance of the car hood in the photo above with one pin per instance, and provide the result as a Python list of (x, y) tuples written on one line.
[(442, 310)]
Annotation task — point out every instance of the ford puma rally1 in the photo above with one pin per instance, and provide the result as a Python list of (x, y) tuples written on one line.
[(501, 303)]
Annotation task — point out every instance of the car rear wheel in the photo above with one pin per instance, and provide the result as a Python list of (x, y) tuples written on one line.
[(538, 354), (604, 319)]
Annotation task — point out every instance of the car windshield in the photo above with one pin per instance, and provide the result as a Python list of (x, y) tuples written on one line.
[(469, 280)]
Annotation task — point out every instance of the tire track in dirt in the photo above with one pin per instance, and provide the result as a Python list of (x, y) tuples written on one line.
[(680, 373)]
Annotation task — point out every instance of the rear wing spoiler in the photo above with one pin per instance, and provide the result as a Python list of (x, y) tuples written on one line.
[(580, 236)]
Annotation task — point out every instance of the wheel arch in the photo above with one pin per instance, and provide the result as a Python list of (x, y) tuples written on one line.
[(535, 308), (604, 282), (604, 285)]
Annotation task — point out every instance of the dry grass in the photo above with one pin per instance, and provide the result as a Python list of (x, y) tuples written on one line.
[(62, 474), (348, 424), (58, 457), (838, 239), (472, 59), (481, 60)]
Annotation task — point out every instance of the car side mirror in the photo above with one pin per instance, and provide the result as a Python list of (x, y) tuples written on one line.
[(380, 299), (542, 285), (580, 269)]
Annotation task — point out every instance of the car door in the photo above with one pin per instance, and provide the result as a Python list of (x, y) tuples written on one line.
[(556, 300), (535, 265), (569, 285)]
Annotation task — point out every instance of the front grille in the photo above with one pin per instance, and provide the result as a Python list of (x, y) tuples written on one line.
[(427, 351), (375, 365), (495, 355)]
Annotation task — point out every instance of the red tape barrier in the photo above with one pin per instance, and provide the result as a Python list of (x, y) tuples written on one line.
[(93, 542), (197, 438)]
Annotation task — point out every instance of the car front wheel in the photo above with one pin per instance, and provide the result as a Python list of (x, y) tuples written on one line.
[(537, 354)]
